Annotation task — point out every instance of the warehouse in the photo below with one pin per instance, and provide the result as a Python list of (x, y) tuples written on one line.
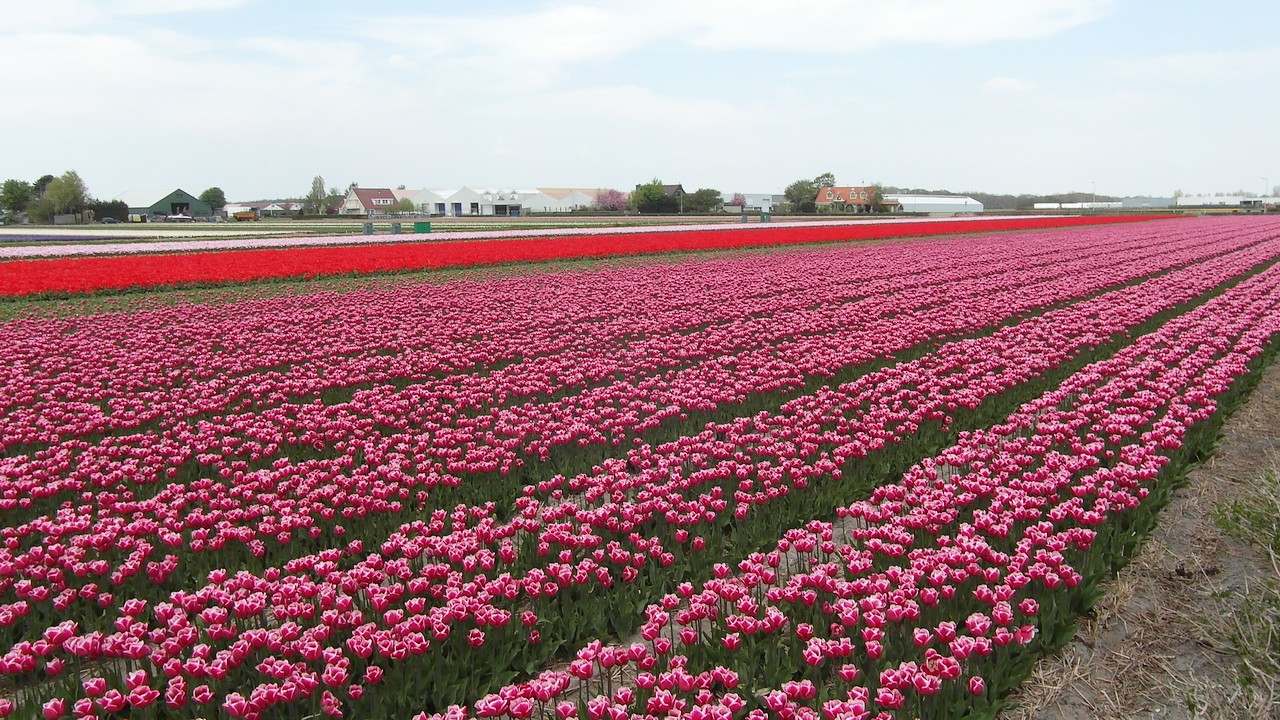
[(146, 205), (936, 204)]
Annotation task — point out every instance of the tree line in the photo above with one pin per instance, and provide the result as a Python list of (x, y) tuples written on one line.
[(48, 197)]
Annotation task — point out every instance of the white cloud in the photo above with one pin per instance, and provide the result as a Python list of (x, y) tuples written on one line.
[(1205, 66), (64, 15), (1007, 85), (844, 26), (635, 105), (538, 44), (500, 147), (400, 62), (173, 7)]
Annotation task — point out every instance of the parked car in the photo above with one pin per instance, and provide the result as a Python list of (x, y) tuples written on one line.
[(180, 218), (110, 221)]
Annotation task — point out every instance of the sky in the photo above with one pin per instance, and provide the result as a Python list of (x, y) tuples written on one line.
[(258, 97)]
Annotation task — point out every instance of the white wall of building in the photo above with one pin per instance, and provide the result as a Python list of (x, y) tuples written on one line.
[(1223, 200), (936, 204)]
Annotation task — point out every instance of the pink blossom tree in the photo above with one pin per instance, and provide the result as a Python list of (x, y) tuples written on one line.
[(611, 200)]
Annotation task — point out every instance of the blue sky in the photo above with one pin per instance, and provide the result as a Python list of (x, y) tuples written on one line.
[(1033, 96)]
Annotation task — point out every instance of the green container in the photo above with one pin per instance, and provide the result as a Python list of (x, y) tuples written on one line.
[(743, 218), (368, 228), (422, 227), (395, 228), (764, 217)]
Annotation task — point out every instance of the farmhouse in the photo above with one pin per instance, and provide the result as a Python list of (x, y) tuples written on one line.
[(849, 199), (158, 204), (368, 201)]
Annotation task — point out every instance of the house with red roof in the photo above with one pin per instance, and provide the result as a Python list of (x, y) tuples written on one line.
[(850, 199), (369, 201)]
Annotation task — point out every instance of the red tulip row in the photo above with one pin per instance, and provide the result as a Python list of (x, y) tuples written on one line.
[(93, 274), (433, 581)]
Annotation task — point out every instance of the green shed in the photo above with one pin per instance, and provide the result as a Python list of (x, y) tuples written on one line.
[(159, 204)]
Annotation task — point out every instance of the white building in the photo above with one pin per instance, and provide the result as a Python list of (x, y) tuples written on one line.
[(759, 202), (472, 201), (1107, 205), (1226, 201), (935, 204)]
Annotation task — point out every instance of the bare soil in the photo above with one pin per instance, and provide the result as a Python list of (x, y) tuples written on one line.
[(1156, 645)]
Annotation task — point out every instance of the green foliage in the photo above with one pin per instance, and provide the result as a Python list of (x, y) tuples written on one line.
[(117, 209), (16, 195), (876, 198), (40, 210), (702, 201), (825, 180), (214, 197), (649, 197), (316, 199), (37, 188), (67, 193), (1255, 519), (801, 194)]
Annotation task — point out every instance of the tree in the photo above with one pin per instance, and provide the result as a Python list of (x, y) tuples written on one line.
[(611, 199), (109, 209), (802, 195), (214, 197), (404, 205), (38, 187), (703, 201), (333, 201), (875, 198), (16, 195), (825, 180), (67, 193), (315, 200), (40, 210), (738, 199), (649, 197)]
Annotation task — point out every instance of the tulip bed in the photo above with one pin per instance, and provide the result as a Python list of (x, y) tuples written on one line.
[(387, 502), (92, 274)]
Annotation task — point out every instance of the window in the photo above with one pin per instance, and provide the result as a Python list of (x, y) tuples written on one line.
[(828, 194), (382, 201)]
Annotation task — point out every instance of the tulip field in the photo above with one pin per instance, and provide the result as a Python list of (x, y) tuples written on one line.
[(273, 258), (824, 481)]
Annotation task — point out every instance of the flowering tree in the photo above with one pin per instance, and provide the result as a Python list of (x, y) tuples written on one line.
[(738, 199), (611, 200)]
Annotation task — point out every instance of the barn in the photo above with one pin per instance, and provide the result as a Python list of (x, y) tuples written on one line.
[(159, 204), (936, 204)]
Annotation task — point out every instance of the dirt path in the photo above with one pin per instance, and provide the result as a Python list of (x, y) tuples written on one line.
[(1159, 643)]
